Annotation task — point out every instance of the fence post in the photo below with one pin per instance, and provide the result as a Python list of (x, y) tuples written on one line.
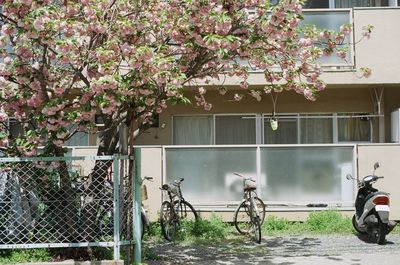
[(137, 251), (116, 208)]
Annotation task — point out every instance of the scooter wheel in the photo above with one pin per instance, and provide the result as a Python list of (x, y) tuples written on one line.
[(354, 222), (380, 232)]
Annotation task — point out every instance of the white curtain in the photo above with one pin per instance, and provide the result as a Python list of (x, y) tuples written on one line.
[(235, 129), (285, 134), (316, 130), (193, 130), (354, 130)]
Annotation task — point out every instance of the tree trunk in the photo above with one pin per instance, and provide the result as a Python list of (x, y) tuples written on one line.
[(97, 191)]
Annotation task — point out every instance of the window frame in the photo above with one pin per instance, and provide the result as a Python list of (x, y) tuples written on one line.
[(262, 118)]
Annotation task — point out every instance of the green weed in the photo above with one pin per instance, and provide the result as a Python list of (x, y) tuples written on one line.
[(9, 256), (328, 222), (324, 222), (214, 229)]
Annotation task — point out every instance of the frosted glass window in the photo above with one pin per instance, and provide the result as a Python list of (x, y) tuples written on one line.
[(316, 4), (316, 130), (354, 129), (15, 128), (360, 3), (78, 139), (193, 130), (330, 20), (208, 172), (235, 129), (315, 174)]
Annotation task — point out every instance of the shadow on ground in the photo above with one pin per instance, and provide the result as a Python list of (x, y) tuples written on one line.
[(237, 250), (367, 239)]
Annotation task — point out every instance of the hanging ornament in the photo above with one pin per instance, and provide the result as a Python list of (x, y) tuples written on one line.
[(274, 120)]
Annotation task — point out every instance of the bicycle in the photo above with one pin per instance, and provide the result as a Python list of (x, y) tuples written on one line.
[(175, 210), (145, 223), (250, 213)]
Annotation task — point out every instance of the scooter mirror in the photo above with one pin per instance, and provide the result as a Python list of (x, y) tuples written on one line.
[(376, 165), (349, 177)]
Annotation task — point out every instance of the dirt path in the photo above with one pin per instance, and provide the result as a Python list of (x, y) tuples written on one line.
[(326, 250)]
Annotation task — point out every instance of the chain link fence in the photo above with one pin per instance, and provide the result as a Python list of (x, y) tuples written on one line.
[(66, 202)]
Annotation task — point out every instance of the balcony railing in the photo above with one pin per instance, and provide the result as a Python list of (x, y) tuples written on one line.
[(286, 174)]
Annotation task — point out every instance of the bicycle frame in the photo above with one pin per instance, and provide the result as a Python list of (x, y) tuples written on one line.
[(176, 201), (248, 196), (177, 207), (250, 206)]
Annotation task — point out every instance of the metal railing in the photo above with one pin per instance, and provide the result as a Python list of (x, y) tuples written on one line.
[(66, 202)]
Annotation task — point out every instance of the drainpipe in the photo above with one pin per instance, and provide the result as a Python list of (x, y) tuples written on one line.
[(137, 251)]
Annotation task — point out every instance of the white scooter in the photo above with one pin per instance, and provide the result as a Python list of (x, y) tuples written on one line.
[(372, 209)]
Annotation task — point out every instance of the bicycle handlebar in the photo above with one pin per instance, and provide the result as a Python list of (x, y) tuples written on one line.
[(240, 175), (237, 174), (178, 182)]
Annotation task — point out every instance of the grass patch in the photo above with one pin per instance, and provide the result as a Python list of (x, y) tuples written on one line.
[(214, 229), (329, 222), (324, 222), (10, 256), (396, 230)]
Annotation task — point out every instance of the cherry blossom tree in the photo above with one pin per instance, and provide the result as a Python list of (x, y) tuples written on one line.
[(63, 62)]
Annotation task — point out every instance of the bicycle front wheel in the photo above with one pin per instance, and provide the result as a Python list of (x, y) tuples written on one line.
[(242, 217), (169, 221)]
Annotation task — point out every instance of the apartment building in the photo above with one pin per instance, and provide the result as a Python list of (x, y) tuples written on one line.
[(303, 163)]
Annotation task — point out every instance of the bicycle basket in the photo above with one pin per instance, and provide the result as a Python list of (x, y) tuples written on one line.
[(171, 189), (249, 185), (144, 193)]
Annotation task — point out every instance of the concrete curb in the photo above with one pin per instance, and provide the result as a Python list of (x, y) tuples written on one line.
[(73, 262)]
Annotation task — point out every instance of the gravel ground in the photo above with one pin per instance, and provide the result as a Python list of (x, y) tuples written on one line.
[(287, 250)]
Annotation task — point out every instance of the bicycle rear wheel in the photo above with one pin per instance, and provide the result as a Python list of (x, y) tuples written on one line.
[(169, 221), (242, 220)]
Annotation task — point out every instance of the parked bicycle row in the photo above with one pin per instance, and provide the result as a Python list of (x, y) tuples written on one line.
[(248, 216)]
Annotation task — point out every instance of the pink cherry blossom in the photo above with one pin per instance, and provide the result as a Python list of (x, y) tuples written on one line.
[(202, 90), (341, 54), (345, 29), (237, 97), (366, 72), (144, 56)]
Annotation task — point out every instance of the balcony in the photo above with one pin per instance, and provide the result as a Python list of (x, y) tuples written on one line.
[(286, 175)]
